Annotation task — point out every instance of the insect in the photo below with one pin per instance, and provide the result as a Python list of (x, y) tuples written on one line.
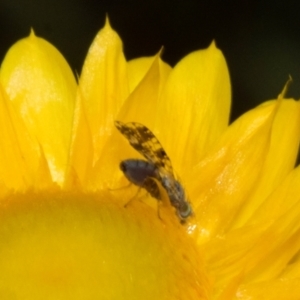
[(157, 165)]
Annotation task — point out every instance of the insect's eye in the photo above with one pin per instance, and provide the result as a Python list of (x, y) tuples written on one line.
[(185, 211), (123, 166)]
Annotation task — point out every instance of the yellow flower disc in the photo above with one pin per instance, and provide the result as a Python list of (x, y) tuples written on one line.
[(88, 246)]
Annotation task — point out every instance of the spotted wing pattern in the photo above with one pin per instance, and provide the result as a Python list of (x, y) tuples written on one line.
[(146, 143)]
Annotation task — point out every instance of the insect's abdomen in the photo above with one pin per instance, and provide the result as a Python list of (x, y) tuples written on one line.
[(140, 173), (137, 170)]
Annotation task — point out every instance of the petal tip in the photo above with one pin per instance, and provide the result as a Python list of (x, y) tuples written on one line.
[(285, 88), (32, 33), (213, 44), (107, 23)]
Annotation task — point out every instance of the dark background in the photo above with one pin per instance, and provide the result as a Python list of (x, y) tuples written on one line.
[(260, 39)]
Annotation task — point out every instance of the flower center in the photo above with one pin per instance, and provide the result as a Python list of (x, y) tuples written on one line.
[(63, 245)]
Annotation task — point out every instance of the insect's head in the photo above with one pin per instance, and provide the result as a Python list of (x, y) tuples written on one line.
[(184, 211), (177, 197)]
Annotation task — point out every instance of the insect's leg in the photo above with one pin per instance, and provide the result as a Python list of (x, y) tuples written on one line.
[(158, 210), (121, 188), (132, 198), (151, 185)]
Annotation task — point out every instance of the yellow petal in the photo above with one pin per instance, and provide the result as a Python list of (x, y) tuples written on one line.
[(23, 163), (103, 85), (42, 89), (140, 106), (225, 178), (283, 198), (263, 249), (43, 179), (292, 270), (277, 289), (280, 159), (82, 151), (277, 246), (14, 169), (137, 69), (194, 103), (226, 257)]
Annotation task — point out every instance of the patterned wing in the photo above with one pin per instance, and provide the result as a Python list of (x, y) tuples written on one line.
[(145, 142)]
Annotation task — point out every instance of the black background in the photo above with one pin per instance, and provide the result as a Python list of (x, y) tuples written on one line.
[(260, 39)]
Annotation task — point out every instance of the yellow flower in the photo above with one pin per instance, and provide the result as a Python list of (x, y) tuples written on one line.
[(71, 229)]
